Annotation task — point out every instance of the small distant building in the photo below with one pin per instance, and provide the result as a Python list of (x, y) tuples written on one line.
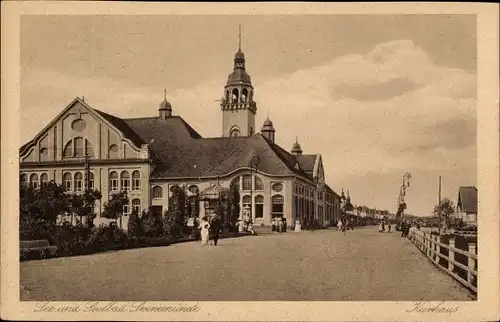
[(466, 209)]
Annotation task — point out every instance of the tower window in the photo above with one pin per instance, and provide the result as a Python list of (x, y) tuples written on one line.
[(244, 95), (235, 96)]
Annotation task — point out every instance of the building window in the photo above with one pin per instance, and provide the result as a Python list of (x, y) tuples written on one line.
[(125, 181), (91, 181), (24, 178), (78, 182), (89, 150), (44, 154), (126, 209), (67, 181), (136, 180), (193, 189), (247, 182), (258, 184), (44, 178), (68, 150), (113, 181), (236, 182), (136, 205), (79, 151), (277, 206), (157, 192), (113, 151), (259, 206), (278, 187), (34, 180), (247, 203)]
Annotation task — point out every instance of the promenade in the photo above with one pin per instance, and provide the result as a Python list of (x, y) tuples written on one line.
[(324, 265)]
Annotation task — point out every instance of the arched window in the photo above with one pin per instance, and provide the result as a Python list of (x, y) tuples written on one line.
[(259, 206), (68, 150), (136, 180), (78, 182), (244, 95), (34, 180), (44, 154), (258, 184), (24, 178), (44, 178), (235, 96), (235, 131), (91, 181), (67, 181), (89, 150), (277, 202), (247, 182), (235, 182), (227, 96), (193, 189), (113, 181), (136, 205), (157, 192), (125, 181), (247, 203), (113, 151), (79, 148)]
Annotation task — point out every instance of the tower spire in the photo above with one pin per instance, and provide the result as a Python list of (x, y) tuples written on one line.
[(165, 94), (239, 38)]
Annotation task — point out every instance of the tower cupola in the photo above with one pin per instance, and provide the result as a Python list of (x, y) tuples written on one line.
[(296, 149), (268, 130), (165, 110), (237, 104)]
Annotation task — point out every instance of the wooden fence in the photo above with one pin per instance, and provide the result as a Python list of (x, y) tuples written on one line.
[(459, 263)]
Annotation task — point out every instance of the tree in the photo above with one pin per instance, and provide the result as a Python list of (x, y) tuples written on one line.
[(113, 209), (152, 223), (175, 216), (234, 204), (444, 212), (134, 225)]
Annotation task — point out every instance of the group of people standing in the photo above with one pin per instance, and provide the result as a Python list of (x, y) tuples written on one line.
[(209, 230), (383, 225), (405, 228), (345, 224)]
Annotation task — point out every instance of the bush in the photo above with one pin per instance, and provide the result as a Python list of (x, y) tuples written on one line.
[(71, 240)]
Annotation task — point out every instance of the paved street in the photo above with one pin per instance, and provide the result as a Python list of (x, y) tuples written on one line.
[(322, 265)]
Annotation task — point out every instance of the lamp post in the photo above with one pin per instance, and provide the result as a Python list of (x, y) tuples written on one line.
[(254, 164), (402, 194)]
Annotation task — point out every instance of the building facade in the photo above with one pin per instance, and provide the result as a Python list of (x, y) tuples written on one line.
[(148, 156)]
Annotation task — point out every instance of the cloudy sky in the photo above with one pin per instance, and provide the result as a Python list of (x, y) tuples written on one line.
[(377, 96)]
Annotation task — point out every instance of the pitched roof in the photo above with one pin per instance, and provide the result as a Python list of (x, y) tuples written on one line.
[(307, 161), (121, 125), (467, 199)]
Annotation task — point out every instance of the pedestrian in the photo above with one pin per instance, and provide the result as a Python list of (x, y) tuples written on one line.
[(381, 227), (339, 225), (204, 227), (297, 226), (389, 227), (280, 225), (215, 230), (403, 228)]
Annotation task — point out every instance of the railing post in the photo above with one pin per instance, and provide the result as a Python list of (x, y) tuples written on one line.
[(438, 248), (427, 245), (472, 263), (451, 255)]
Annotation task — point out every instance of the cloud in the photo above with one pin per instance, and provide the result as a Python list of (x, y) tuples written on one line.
[(388, 111)]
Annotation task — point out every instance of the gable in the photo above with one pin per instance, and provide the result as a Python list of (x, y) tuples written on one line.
[(78, 130)]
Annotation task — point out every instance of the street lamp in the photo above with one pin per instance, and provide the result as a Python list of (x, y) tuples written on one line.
[(402, 193)]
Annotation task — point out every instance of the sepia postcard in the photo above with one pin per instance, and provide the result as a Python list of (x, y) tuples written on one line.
[(250, 161)]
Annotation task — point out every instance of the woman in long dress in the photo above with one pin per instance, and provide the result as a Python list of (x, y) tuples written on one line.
[(204, 226)]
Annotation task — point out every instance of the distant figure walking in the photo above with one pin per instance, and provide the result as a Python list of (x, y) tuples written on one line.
[(388, 227), (403, 228), (215, 230), (204, 226), (380, 227), (339, 225), (298, 228)]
